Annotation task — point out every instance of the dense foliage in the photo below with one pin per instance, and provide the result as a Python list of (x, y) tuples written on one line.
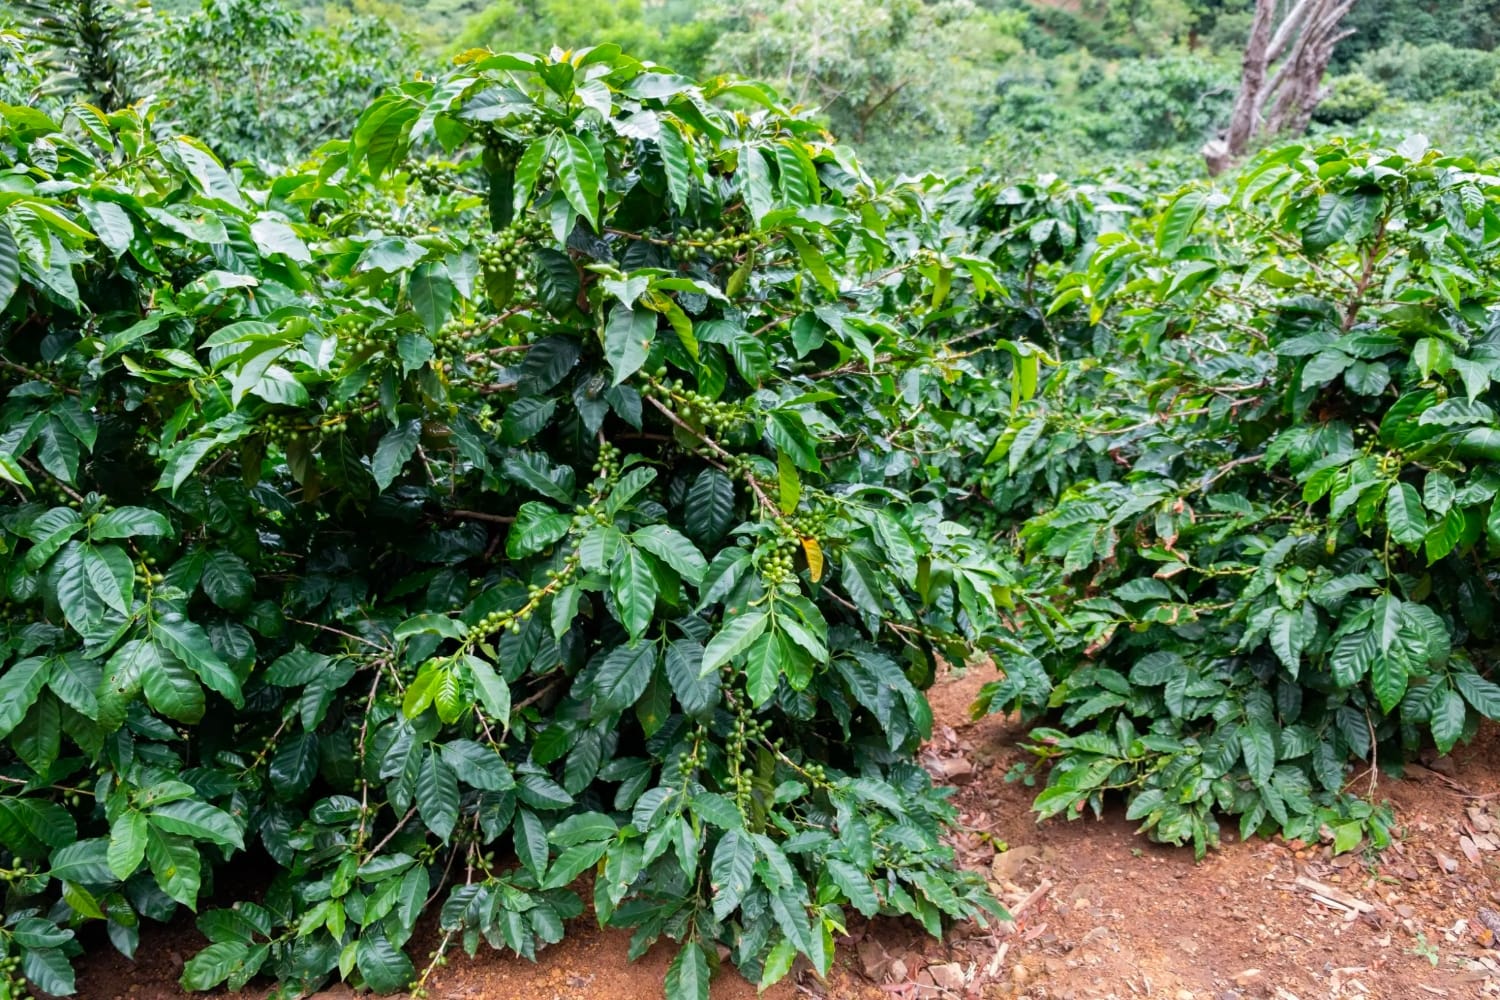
[(358, 531), (554, 478), (1273, 545)]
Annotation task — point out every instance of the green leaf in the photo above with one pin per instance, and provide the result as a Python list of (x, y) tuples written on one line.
[(628, 336), (1404, 516), (198, 820), (789, 484), (714, 808), (675, 163), (528, 168), (789, 433), (622, 677), (1353, 655), (478, 766), (536, 527), (127, 843), (778, 963), (189, 643), (765, 662), (227, 581), (494, 693), (1448, 718), (585, 828), (1388, 676), (48, 969), (754, 177), (213, 965), (733, 639), (395, 449), (172, 689), (732, 872), (709, 507), (696, 692), (130, 522), (855, 885), (175, 866), (1259, 749), (1445, 536), (1347, 836), (10, 266), (687, 976), (1177, 222), (432, 295), (11, 472), (634, 588), (673, 549), (437, 795), (1387, 622), (573, 862), (29, 826), (530, 839), (19, 686), (579, 176), (1484, 695), (1336, 215), (385, 967), (814, 262)]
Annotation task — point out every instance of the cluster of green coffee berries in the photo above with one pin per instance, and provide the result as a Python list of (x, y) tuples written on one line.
[(505, 250), (692, 405), (692, 759), (337, 413), (284, 429), (13, 985), (145, 572), (500, 621), (607, 464), (390, 223), (456, 337), (430, 175), (778, 564), (47, 491), (723, 244), (809, 523), (745, 730)]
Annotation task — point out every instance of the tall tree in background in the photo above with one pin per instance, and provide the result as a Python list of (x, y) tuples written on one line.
[(1297, 38), (881, 71), (88, 53)]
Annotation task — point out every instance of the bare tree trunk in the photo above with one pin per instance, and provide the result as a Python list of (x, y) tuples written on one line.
[(1303, 41), (1221, 153)]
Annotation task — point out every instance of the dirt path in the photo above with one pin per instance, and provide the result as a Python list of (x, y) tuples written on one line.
[(1107, 914), (1127, 918)]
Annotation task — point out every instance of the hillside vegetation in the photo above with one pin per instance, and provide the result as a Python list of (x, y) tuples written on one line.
[(431, 486)]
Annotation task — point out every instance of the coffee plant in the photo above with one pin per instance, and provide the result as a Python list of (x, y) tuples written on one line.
[(1274, 549), (557, 495), (449, 549)]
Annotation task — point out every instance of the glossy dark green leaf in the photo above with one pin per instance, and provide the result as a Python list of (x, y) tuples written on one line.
[(622, 676)]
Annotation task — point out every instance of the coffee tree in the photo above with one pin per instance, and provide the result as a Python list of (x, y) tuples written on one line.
[(1271, 528), (525, 497)]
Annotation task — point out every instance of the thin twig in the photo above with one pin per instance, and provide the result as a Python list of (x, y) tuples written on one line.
[(479, 515)]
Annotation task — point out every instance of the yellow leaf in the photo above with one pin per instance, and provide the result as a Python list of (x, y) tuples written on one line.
[(814, 553)]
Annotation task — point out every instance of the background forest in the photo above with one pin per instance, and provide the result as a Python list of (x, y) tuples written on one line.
[(1011, 85), (454, 448)]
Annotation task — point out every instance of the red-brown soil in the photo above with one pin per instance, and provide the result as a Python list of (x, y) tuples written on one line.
[(1107, 914)]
